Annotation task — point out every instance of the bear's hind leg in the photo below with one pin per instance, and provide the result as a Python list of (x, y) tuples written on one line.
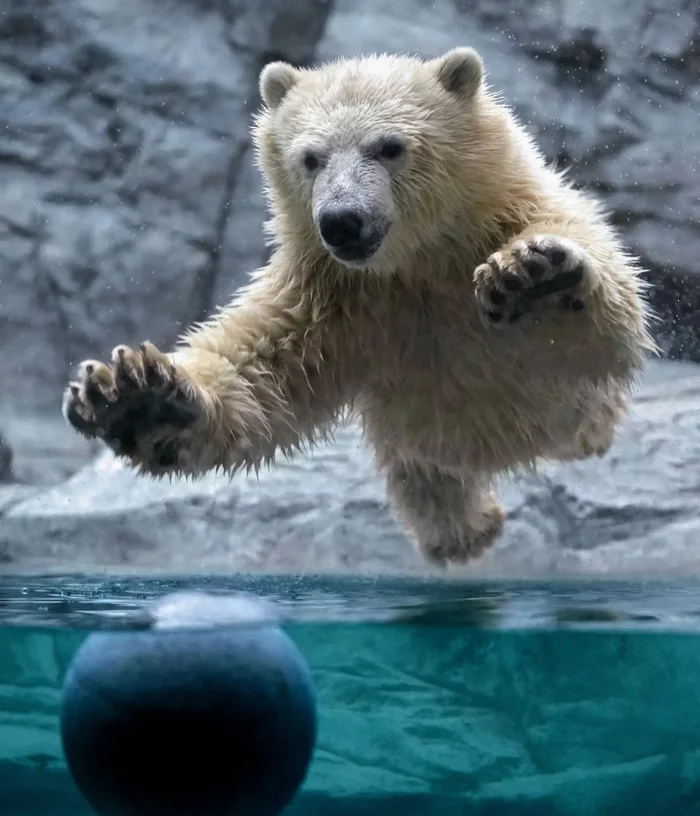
[(453, 519)]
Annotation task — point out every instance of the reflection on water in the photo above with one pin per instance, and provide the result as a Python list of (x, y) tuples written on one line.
[(86, 602)]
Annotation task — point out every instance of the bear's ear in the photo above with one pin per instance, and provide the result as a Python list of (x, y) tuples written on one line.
[(460, 71), (276, 80)]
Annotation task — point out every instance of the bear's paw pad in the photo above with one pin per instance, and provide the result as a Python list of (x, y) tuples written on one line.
[(138, 405), (548, 268)]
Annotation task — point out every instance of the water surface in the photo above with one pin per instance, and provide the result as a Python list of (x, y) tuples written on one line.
[(438, 699)]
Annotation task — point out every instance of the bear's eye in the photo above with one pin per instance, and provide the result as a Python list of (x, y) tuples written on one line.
[(390, 149), (311, 162)]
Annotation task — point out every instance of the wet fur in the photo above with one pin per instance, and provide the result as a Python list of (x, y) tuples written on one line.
[(446, 397)]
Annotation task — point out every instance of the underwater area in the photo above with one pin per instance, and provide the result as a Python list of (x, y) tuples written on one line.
[(434, 698)]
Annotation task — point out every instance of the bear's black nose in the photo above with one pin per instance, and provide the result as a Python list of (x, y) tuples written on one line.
[(341, 227)]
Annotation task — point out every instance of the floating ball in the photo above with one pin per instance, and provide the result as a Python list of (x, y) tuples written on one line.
[(205, 721)]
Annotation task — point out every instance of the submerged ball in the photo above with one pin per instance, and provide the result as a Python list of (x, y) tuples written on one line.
[(198, 721)]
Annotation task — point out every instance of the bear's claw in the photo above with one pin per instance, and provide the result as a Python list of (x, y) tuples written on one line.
[(138, 405), (511, 284)]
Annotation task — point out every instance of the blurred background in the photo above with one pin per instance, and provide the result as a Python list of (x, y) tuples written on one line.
[(130, 206)]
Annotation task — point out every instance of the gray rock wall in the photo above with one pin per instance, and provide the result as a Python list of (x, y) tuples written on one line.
[(127, 206)]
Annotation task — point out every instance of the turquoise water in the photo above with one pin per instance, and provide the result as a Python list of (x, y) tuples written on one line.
[(434, 699)]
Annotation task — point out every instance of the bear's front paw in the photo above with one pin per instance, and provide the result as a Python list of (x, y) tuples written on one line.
[(142, 406), (547, 268)]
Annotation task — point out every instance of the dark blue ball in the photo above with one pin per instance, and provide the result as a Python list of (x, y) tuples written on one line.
[(206, 722)]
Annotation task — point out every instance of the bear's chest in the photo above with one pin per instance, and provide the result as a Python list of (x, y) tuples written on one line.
[(430, 343), (436, 384)]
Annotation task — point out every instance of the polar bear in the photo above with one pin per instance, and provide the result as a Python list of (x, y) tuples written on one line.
[(431, 276)]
